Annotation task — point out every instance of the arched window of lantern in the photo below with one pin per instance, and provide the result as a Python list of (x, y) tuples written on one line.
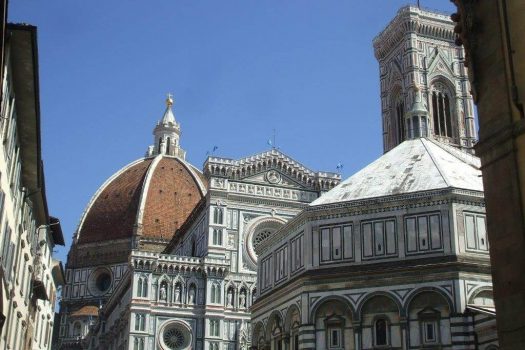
[(168, 145), (160, 143), (442, 100)]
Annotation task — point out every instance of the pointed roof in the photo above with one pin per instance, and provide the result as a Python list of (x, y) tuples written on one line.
[(413, 166), (168, 118)]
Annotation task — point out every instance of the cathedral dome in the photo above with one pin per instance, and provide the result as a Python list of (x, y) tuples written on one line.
[(151, 198)]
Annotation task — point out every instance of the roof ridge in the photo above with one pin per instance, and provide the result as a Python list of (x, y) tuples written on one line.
[(441, 172), (144, 193), (456, 153)]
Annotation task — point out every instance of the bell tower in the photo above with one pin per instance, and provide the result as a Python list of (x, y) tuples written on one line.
[(423, 74)]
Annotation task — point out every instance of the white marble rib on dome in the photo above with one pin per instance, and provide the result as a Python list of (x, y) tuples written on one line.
[(413, 166)]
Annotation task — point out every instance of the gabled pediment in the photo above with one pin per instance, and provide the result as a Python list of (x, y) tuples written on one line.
[(440, 64), (271, 167), (275, 177)]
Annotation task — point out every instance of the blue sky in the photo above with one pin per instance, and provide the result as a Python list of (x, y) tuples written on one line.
[(237, 69)]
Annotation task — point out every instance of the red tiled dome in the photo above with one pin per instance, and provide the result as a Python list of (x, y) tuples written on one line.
[(151, 195)]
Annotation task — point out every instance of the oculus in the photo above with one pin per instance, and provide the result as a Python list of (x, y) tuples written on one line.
[(175, 336)]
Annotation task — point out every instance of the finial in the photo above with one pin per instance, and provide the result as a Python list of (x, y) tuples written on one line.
[(169, 100)]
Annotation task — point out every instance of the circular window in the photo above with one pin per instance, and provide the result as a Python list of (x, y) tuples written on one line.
[(103, 281), (176, 336), (100, 281), (257, 232), (259, 237)]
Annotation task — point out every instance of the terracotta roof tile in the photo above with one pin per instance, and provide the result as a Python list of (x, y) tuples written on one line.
[(88, 310), (172, 194), (113, 213)]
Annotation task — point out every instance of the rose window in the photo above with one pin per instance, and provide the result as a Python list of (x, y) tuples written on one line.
[(174, 338), (260, 236)]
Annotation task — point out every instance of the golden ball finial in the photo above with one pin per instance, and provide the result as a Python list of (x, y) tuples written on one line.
[(169, 100)]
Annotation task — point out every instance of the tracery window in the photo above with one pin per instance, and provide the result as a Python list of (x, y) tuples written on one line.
[(142, 287), (138, 343), (215, 328), (218, 215), (216, 293), (140, 322), (259, 237), (441, 110), (217, 236)]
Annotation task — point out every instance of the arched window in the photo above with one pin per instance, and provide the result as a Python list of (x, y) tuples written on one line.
[(142, 287), (217, 237), (400, 119), (441, 110), (415, 125), (215, 293), (77, 329), (139, 287), (168, 145), (217, 215), (381, 332), (160, 143)]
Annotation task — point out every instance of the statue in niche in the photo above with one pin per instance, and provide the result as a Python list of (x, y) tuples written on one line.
[(178, 292), (230, 297), (191, 295), (163, 291), (242, 299)]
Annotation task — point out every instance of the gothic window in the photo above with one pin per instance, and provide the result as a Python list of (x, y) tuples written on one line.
[(381, 332), (400, 119), (140, 322), (217, 236), (215, 328), (138, 343), (218, 214), (216, 293), (142, 287), (441, 110)]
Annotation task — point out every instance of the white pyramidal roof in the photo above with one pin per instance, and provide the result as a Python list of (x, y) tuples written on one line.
[(414, 165)]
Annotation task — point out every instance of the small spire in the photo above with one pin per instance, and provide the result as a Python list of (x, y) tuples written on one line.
[(168, 117)]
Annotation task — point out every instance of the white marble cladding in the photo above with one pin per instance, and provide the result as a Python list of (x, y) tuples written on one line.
[(270, 191), (442, 229), (166, 262)]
